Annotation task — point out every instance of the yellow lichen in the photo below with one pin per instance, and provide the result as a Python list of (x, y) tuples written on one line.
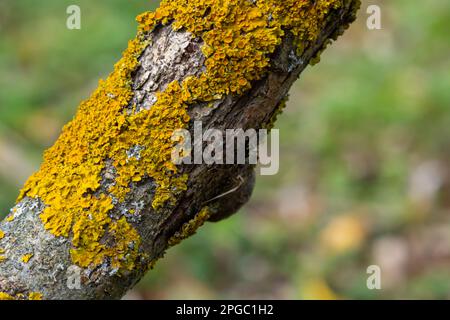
[(2, 234), (71, 173), (239, 37), (35, 296), (122, 254), (189, 228), (10, 218), (20, 296), (5, 296), (304, 18), (2, 257), (26, 257)]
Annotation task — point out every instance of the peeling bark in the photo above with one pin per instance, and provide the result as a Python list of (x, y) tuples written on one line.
[(172, 55)]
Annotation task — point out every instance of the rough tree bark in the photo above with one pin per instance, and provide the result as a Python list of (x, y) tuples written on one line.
[(118, 233)]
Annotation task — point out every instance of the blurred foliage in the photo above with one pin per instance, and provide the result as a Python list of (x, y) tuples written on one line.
[(365, 152)]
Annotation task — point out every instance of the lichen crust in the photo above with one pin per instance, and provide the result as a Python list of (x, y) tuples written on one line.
[(239, 38)]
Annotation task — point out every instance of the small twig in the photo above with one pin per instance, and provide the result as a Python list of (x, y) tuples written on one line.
[(228, 192)]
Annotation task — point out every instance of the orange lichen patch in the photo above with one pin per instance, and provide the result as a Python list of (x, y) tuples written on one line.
[(27, 258), (239, 37), (189, 228)]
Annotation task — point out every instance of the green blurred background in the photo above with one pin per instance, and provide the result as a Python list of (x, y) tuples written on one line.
[(365, 152)]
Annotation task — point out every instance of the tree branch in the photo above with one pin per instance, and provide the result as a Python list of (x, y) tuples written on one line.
[(107, 198)]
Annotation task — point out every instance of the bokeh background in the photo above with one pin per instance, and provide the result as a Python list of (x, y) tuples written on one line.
[(365, 155)]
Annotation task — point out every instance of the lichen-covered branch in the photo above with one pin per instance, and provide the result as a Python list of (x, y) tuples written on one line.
[(107, 198)]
